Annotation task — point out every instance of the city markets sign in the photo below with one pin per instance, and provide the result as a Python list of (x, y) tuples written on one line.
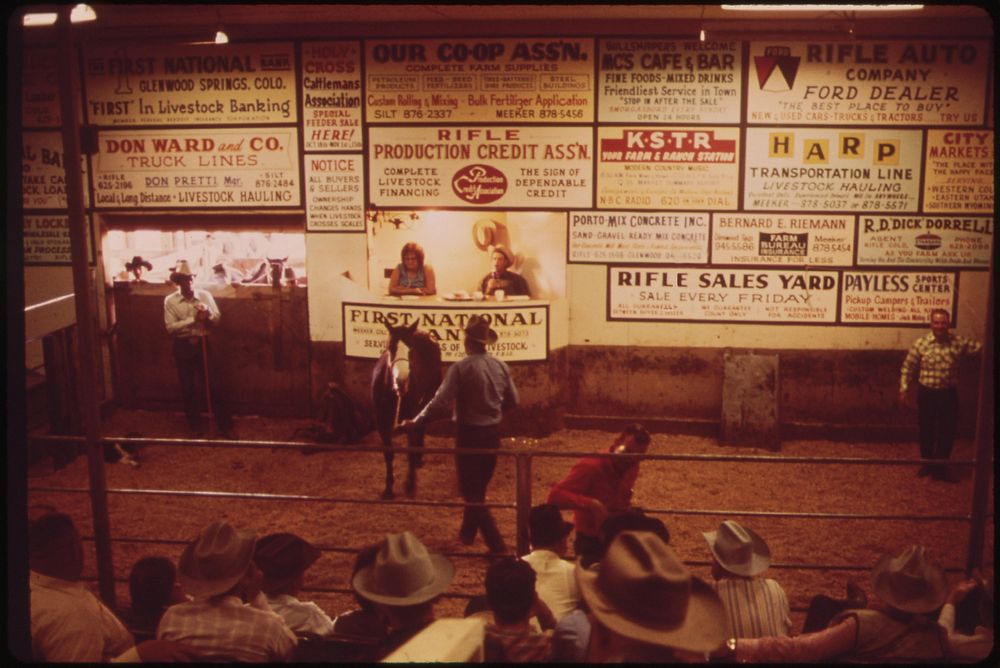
[(522, 330)]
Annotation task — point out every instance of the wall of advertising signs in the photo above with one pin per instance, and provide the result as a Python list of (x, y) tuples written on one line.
[(728, 182)]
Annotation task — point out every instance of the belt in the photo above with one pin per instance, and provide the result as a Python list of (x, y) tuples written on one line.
[(192, 340)]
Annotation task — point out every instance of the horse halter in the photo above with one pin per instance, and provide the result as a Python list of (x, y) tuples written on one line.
[(400, 366)]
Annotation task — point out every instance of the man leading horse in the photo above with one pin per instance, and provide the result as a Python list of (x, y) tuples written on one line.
[(481, 388)]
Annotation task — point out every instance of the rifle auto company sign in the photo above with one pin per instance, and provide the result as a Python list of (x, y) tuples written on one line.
[(480, 166), (522, 330), (868, 82)]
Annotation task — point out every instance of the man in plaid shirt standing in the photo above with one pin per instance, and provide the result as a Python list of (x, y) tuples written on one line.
[(933, 362)]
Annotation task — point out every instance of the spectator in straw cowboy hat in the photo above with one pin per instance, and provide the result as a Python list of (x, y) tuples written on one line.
[(403, 582), (487, 390), (644, 604), (501, 278), (756, 606), (217, 569), (899, 627), (283, 559), (189, 314), (549, 534)]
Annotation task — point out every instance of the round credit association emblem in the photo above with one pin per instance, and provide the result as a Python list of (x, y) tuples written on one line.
[(928, 241), (479, 184)]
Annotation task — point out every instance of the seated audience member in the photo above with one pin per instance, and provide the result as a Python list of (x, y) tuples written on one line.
[(900, 627), (364, 622), (403, 582), (644, 605), (976, 643), (217, 569), (823, 608), (756, 606), (283, 559), (501, 278), (572, 632), (599, 487), (549, 535), (511, 638), (153, 587), (68, 623), (412, 276)]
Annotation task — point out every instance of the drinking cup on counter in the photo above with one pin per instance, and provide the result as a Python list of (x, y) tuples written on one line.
[(478, 295), (499, 295)]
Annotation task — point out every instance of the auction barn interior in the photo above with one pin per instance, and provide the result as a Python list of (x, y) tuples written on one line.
[(732, 220)]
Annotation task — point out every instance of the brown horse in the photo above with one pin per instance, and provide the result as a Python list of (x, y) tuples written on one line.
[(406, 376)]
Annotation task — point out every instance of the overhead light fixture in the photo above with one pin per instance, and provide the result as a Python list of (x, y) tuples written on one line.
[(701, 25), (39, 19), (221, 37), (821, 8), (80, 13)]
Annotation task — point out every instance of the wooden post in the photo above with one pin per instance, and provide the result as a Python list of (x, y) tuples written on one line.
[(68, 73), (523, 502), (983, 472)]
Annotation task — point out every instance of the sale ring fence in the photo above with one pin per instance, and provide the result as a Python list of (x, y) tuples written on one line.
[(977, 518)]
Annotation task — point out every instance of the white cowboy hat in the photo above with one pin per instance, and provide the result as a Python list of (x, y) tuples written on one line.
[(910, 582), (181, 269), (404, 572), (215, 561), (738, 549), (641, 590)]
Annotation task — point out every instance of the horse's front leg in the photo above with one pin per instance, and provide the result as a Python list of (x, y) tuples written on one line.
[(385, 432), (415, 439)]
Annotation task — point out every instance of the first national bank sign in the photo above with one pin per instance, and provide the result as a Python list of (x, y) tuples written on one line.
[(522, 331)]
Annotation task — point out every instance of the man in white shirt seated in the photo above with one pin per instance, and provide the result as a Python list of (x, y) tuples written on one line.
[(283, 558), (556, 583), (217, 570)]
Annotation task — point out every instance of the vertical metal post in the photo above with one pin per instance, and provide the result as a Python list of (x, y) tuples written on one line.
[(523, 502), (984, 441), (68, 72)]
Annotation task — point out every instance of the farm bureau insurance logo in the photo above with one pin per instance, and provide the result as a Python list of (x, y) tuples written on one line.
[(776, 69), (479, 184)]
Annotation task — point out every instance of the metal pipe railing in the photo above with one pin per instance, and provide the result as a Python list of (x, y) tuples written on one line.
[(523, 500)]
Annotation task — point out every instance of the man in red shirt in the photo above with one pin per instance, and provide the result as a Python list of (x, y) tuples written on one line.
[(598, 487)]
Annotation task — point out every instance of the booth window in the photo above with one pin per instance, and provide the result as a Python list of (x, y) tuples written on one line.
[(219, 256)]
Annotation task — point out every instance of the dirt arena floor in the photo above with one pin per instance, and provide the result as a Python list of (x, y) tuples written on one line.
[(678, 492)]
